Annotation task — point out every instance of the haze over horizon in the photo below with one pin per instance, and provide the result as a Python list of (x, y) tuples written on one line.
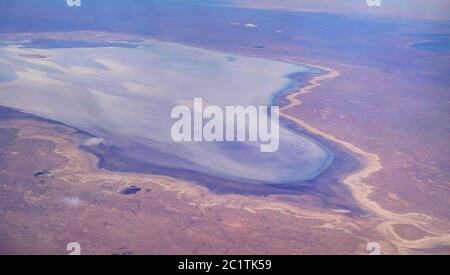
[(419, 9)]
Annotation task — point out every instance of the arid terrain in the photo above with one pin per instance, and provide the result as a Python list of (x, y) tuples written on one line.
[(378, 103), (66, 198)]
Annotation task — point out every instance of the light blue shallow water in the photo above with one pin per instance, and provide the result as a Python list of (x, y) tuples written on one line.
[(125, 96)]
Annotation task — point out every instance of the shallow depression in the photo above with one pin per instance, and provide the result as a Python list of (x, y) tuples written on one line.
[(125, 95)]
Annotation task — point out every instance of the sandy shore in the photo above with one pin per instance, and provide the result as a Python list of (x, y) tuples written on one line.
[(360, 189), (74, 200)]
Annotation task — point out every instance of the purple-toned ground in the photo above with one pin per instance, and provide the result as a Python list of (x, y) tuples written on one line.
[(380, 101)]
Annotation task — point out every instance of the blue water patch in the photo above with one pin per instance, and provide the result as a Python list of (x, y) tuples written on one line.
[(58, 44), (7, 74), (231, 58), (434, 46), (130, 190), (293, 84)]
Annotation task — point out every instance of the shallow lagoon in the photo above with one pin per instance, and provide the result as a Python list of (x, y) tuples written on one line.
[(124, 95)]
